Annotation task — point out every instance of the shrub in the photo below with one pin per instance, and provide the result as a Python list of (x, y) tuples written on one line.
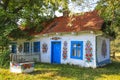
[(5, 59)]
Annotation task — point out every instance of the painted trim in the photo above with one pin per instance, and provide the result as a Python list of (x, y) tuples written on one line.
[(103, 62), (81, 50), (51, 50)]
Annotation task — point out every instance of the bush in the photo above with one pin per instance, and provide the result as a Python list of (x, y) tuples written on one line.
[(5, 59)]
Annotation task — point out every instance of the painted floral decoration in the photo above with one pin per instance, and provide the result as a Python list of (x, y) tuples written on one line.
[(44, 48), (27, 66), (88, 50), (65, 50), (104, 48), (15, 65)]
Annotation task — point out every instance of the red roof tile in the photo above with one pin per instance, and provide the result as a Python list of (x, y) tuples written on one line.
[(88, 21)]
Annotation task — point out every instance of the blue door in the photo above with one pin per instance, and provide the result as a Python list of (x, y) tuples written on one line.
[(56, 52)]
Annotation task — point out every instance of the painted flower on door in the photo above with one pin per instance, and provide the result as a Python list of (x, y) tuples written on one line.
[(88, 51), (104, 48), (65, 50), (44, 48)]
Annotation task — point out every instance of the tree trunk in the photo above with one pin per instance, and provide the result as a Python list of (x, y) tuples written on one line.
[(114, 55)]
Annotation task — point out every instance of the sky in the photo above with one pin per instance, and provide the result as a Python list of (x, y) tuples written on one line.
[(87, 6)]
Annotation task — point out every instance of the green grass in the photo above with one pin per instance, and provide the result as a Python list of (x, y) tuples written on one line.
[(65, 72)]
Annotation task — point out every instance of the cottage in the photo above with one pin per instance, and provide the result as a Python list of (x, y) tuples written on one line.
[(76, 40)]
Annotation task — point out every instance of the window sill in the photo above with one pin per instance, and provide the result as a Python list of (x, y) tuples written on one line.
[(77, 58)]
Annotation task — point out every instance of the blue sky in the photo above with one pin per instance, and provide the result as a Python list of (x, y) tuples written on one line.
[(87, 6)]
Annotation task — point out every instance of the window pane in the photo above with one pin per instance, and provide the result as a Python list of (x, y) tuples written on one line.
[(78, 45), (73, 52), (74, 45), (26, 47), (78, 52), (36, 46), (14, 48)]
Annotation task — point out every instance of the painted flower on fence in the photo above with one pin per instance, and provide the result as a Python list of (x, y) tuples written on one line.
[(88, 51), (65, 50), (27, 66), (44, 48), (15, 65), (104, 48)]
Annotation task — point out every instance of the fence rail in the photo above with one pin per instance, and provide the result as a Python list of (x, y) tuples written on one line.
[(24, 57)]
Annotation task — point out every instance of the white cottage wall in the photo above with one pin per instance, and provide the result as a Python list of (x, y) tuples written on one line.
[(46, 57), (103, 56), (84, 38)]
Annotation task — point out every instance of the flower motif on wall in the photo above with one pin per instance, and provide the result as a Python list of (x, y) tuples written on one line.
[(104, 48), (88, 51), (65, 50), (44, 48)]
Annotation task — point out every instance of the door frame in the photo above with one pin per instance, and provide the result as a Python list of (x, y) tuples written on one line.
[(52, 49)]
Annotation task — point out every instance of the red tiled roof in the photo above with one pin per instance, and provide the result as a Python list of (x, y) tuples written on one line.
[(88, 21)]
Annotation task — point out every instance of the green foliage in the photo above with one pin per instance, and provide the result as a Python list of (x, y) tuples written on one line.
[(110, 12), (115, 44), (5, 59), (32, 12)]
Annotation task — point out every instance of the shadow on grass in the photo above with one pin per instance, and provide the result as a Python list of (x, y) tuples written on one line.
[(75, 72)]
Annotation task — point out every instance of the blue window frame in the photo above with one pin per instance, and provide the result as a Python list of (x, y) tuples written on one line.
[(77, 49), (26, 47), (36, 46)]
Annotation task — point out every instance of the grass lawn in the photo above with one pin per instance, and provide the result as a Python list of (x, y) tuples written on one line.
[(65, 72)]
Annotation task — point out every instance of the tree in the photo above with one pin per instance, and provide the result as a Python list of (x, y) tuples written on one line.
[(32, 13), (110, 11)]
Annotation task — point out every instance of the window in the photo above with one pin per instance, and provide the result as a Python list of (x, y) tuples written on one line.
[(26, 47), (14, 48), (77, 49), (36, 46)]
